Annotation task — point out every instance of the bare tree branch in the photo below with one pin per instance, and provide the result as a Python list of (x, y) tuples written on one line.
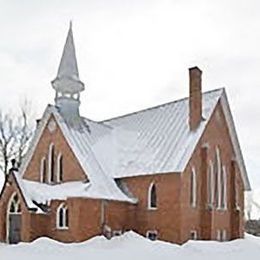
[(7, 140), (15, 134)]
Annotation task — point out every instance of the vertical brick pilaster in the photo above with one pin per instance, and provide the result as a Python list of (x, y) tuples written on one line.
[(205, 212), (235, 214)]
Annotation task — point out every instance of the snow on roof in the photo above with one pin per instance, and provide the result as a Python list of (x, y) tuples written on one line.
[(155, 140), (42, 192), (151, 141), (28, 200), (158, 139), (80, 143), (102, 186)]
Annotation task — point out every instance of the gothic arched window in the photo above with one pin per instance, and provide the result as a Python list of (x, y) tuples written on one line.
[(193, 188), (211, 184), (224, 188), (51, 163), (62, 217), (152, 197), (14, 204), (60, 168), (43, 170), (218, 173)]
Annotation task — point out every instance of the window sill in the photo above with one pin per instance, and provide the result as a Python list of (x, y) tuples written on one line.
[(62, 228), (152, 209), (221, 209)]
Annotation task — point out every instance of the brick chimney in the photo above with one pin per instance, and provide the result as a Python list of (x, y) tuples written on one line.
[(195, 99)]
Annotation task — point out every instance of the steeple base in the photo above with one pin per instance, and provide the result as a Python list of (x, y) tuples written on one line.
[(69, 109)]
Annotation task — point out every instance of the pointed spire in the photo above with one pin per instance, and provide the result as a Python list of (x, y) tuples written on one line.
[(67, 80), (68, 65), (67, 83)]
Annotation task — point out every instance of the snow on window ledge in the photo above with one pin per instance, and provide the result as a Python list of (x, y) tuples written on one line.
[(152, 208), (62, 228)]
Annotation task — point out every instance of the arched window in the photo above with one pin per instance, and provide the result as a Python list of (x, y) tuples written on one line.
[(224, 188), (13, 219), (193, 188), (14, 204), (51, 163), (43, 170), (62, 217), (60, 168), (219, 175), (152, 197), (211, 184)]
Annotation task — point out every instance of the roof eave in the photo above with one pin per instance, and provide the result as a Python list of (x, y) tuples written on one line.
[(233, 134)]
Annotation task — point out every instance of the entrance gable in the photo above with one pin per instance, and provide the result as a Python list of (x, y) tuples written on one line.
[(52, 160), (12, 202), (11, 186)]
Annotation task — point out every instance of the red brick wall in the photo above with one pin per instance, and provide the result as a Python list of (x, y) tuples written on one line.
[(174, 217), (120, 215), (84, 220), (166, 218), (39, 225), (72, 170), (216, 135)]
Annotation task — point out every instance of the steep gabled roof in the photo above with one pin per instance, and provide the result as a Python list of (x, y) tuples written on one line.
[(18, 183), (159, 140), (102, 186), (155, 140), (28, 201), (151, 141)]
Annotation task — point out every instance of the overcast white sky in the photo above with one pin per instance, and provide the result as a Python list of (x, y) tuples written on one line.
[(135, 54)]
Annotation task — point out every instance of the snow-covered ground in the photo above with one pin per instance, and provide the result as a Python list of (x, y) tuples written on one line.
[(132, 246)]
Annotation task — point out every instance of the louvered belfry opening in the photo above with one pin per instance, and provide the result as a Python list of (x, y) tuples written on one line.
[(195, 98)]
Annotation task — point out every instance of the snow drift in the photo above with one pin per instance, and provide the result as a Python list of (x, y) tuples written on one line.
[(132, 246)]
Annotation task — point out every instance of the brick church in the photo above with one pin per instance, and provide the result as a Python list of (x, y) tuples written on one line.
[(173, 172)]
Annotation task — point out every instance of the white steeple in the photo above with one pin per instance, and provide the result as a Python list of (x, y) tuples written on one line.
[(67, 83)]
